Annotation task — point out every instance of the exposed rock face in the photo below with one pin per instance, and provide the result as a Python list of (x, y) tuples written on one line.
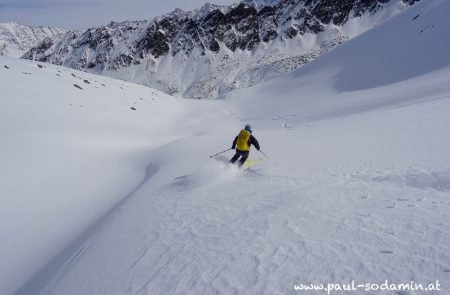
[(215, 49)]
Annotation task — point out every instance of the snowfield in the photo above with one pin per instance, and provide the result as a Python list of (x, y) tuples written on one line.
[(98, 198)]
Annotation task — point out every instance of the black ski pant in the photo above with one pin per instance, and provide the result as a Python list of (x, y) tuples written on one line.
[(242, 154)]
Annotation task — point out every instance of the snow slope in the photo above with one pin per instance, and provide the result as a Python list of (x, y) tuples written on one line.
[(68, 155), (399, 62), (352, 200), (357, 187)]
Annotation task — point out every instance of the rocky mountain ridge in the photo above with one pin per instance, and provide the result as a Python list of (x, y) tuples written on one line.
[(207, 52), (16, 39)]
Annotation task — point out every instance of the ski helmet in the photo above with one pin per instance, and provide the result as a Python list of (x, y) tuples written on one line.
[(248, 127)]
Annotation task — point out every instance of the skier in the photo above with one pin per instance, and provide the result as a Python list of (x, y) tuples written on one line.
[(242, 143)]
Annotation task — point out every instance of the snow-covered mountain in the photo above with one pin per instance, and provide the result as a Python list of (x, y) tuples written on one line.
[(106, 186), (215, 49), (16, 39)]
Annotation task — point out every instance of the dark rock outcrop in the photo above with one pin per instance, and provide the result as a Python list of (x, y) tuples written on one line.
[(210, 34)]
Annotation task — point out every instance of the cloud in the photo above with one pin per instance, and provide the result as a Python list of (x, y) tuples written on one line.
[(14, 5), (24, 4)]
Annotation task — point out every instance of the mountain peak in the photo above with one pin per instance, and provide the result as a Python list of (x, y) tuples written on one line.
[(259, 4), (216, 49), (16, 38)]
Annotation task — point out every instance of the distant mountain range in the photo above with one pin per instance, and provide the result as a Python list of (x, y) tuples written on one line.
[(17, 39), (208, 52)]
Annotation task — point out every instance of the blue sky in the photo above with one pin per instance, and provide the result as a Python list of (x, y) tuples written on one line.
[(75, 14)]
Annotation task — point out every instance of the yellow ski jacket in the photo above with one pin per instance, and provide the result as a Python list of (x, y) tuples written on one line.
[(244, 140)]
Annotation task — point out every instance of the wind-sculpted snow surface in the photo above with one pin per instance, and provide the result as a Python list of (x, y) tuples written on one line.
[(213, 50), (73, 146), (331, 209)]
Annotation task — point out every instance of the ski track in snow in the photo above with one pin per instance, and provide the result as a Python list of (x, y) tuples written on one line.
[(190, 236)]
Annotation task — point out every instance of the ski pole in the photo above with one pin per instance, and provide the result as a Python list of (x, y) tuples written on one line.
[(264, 154), (220, 153)]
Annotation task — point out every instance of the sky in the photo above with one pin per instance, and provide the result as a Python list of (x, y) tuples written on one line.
[(77, 14)]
